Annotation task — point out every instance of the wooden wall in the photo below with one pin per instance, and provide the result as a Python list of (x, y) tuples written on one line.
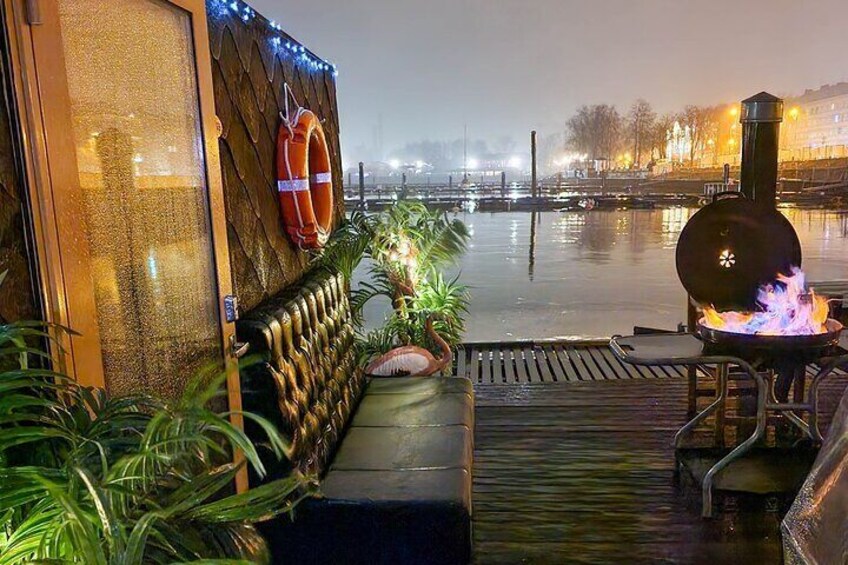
[(249, 70)]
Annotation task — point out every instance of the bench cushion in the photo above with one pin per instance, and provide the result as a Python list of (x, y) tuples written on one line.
[(405, 448), (416, 385), (428, 485), (427, 402)]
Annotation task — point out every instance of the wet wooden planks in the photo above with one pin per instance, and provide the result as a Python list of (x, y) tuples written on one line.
[(547, 362), (584, 473)]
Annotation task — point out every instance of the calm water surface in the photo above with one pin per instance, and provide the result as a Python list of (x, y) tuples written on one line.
[(593, 274)]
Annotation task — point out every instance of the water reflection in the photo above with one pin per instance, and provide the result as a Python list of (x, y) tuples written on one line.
[(532, 262), (592, 274)]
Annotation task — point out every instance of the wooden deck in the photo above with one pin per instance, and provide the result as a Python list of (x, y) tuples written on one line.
[(580, 469)]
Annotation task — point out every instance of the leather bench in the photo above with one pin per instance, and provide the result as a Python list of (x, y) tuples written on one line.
[(393, 455)]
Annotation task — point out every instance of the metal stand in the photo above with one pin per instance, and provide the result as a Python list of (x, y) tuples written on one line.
[(688, 350)]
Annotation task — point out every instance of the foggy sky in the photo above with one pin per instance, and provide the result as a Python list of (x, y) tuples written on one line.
[(508, 66)]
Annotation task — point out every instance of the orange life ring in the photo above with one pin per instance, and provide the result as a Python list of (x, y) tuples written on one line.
[(305, 180)]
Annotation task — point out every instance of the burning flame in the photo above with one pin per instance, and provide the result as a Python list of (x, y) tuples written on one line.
[(787, 309)]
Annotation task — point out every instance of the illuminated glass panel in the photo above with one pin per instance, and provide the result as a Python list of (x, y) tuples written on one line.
[(136, 121)]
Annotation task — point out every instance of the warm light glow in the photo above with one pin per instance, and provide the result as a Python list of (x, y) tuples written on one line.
[(565, 160), (734, 111), (794, 112), (787, 308)]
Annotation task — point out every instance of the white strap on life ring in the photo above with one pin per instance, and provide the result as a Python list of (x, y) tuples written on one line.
[(296, 185)]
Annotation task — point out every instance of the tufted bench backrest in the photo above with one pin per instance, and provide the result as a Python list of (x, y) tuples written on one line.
[(307, 382)]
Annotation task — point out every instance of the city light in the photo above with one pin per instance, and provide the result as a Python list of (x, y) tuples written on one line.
[(394, 163), (472, 163), (794, 113), (514, 162)]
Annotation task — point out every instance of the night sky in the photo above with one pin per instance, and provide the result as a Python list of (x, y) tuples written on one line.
[(508, 66)]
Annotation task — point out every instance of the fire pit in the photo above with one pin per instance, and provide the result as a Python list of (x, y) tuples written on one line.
[(740, 260), (790, 323)]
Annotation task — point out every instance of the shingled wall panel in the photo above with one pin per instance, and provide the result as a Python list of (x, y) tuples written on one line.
[(249, 71)]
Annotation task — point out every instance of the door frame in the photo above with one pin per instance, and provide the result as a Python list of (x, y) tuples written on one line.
[(43, 107)]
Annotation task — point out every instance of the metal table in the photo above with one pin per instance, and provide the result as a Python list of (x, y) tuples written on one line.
[(687, 349)]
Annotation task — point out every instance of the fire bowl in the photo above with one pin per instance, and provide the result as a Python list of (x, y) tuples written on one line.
[(775, 344)]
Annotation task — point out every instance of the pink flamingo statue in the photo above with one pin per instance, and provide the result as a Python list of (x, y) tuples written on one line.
[(411, 360)]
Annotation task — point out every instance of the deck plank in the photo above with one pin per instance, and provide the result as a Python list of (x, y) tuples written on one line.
[(532, 367), (521, 365), (486, 366), (509, 366), (565, 362), (554, 361), (577, 361), (631, 370), (615, 370), (461, 365), (474, 365), (497, 366), (542, 362)]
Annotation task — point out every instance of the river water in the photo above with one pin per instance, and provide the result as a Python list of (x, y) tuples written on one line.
[(593, 274)]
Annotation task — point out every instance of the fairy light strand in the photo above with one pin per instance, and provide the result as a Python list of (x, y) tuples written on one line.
[(296, 52)]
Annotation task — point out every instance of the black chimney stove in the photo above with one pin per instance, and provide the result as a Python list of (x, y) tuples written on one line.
[(760, 118)]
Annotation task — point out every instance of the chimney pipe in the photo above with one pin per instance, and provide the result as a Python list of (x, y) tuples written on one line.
[(761, 116)]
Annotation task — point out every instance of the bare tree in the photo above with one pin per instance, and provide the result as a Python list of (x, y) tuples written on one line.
[(580, 132), (639, 123), (703, 122), (657, 135), (595, 130)]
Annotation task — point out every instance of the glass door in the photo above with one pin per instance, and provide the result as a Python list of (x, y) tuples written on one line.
[(129, 161)]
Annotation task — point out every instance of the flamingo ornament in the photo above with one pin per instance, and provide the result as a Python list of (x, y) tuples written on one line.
[(411, 360)]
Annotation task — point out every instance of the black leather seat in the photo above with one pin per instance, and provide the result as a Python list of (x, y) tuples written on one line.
[(394, 455)]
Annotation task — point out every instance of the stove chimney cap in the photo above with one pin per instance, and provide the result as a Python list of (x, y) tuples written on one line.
[(762, 107)]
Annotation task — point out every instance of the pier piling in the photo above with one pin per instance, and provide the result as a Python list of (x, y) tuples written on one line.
[(533, 183), (362, 184)]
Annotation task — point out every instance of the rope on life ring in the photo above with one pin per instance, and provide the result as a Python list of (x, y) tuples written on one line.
[(304, 177)]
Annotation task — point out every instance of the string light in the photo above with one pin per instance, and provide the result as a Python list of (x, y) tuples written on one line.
[(298, 53)]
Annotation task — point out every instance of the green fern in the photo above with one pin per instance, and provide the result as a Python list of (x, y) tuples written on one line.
[(407, 247), (89, 478)]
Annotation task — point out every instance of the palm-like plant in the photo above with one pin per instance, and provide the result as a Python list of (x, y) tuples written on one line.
[(408, 246), (99, 480)]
